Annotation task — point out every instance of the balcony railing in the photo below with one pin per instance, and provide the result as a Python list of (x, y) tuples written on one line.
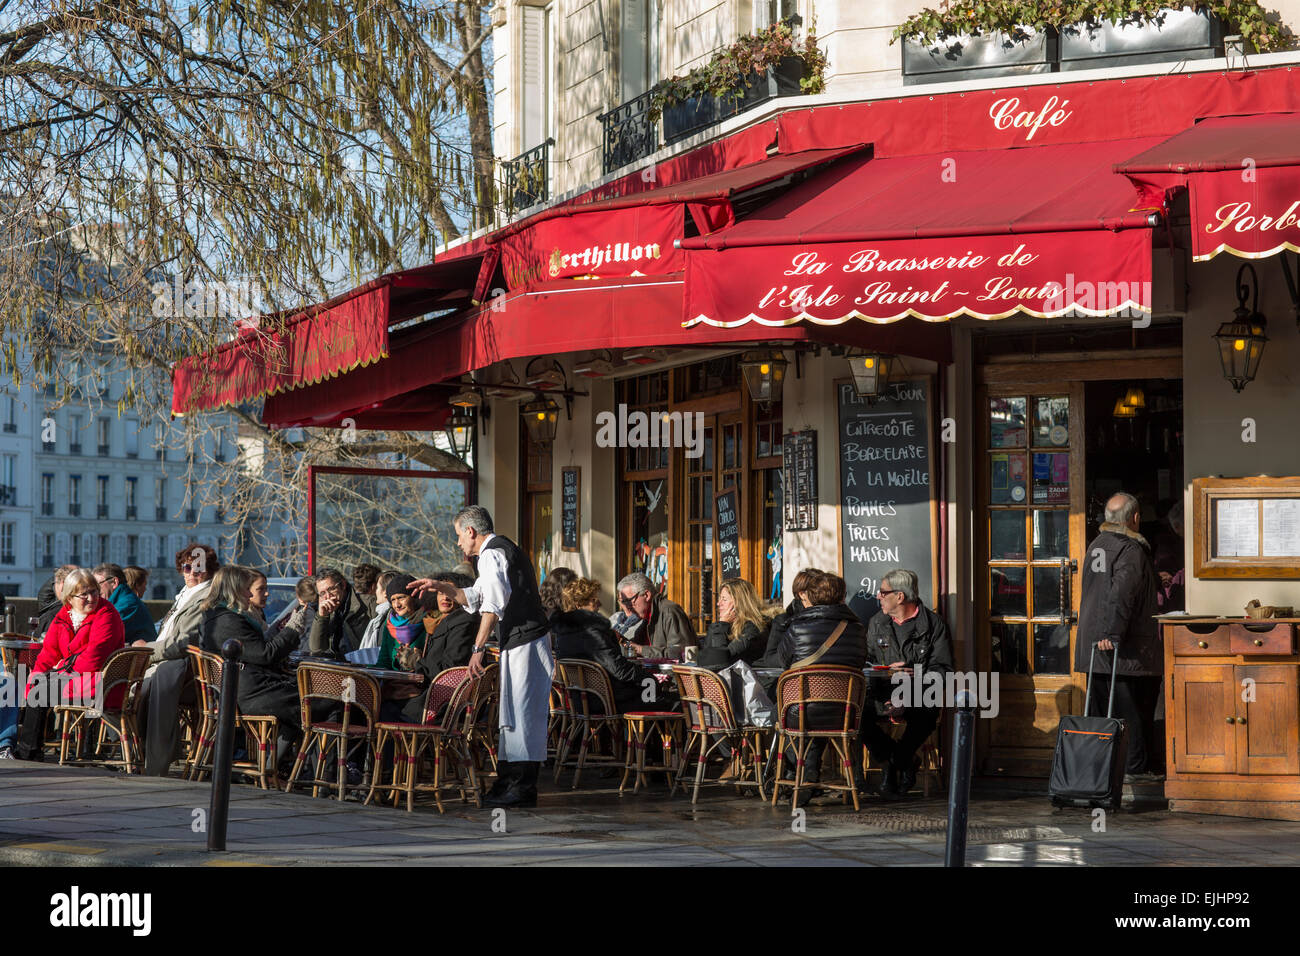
[(526, 179), (220, 516), (629, 133), (101, 511), (74, 510), (7, 559), (74, 448), (75, 559), (103, 449), (8, 495), (47, 561), (47, 509), (47, 446), (11, 428), (131, 512), (160, 513), (191, 515)]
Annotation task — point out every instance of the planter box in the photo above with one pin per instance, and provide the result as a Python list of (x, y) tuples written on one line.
[(701, 112), (1179, 34), (965, 57)]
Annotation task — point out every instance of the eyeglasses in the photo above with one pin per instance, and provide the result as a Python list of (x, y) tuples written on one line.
[(882, 592), (86, 595), (187, 568), (624, 600)]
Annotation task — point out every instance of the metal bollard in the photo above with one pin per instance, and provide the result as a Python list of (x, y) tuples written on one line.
[(225, 747), (963, 749)]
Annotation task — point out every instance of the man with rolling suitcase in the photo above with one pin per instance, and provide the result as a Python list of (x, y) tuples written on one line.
[(1116, 618)]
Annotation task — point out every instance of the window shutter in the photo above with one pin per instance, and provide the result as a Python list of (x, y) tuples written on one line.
[(632, 46), (534, 74)]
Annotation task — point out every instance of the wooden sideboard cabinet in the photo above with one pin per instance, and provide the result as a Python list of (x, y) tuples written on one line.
[(1232, 716)]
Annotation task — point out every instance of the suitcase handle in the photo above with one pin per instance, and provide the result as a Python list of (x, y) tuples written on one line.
[(1087, 694)]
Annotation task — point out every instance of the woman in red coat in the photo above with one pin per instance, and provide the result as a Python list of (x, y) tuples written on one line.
[(82, 635)]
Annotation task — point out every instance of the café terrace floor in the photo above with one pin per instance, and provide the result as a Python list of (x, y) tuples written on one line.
[(67, 816)]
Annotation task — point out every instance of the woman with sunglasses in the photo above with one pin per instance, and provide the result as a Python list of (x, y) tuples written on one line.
[(82, 635)]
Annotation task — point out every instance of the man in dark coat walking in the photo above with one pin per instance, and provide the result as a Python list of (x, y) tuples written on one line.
[(1118, 608)]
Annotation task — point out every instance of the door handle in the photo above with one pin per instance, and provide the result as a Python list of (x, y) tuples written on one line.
[(1068, 567)]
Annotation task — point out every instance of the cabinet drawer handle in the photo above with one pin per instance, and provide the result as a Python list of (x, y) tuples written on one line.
[(1241, 720), (1230, 720), (1202, 644), (1259, 643)]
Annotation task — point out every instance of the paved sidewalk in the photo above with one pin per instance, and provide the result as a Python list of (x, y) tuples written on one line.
[(51, 815)]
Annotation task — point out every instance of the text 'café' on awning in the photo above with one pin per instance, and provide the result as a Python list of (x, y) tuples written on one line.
[(929, 331)]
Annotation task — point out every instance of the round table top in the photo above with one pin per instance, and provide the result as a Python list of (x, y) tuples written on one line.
[(20, 645)]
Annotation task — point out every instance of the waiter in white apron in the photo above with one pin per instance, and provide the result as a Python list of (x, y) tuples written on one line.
[(507, 599)]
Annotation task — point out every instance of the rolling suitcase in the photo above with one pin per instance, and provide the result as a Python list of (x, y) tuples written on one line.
[(1088, 765)]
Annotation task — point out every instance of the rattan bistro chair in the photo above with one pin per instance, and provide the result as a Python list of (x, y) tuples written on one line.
[(591, 712), (557, 726), (118, 694), (818, 684), (260, 730), (357, 695), (711, 723), (451, 693), (482, 734)]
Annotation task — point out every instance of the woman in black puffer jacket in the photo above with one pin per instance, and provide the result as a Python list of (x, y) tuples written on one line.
[(263, 687), (805, 634), (581, 632)]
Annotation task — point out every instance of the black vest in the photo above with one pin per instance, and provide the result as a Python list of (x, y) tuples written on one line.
[(524, 618)]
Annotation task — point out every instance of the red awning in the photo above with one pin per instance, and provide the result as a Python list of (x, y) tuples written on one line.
[(926, 236), (616, 237), (622, 313), (1243, 176)]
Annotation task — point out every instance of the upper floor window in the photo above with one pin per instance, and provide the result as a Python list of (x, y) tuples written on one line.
[(639, 46), (536, 69), (768, 12)]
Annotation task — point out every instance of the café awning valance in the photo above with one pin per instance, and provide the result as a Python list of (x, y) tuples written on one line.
[(1243, 178), (1043, 231)]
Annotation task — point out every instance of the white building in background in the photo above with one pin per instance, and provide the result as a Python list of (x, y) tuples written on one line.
[(80, 484)]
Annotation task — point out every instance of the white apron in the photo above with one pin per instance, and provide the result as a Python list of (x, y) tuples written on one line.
[(526, 673)]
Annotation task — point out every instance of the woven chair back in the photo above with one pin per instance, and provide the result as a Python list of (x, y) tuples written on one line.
[(207, 668), (845, 686), (124, 669), (588, 684), (705, 700), (483, 703), (441, 689), (330, 682)]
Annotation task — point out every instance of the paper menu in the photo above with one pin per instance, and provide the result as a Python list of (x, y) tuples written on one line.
[(1281, 527), (1237, 525)]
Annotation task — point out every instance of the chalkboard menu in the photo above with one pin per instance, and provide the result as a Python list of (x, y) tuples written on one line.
[(570, 519), (799, 481), (886, 487), (728, 517)]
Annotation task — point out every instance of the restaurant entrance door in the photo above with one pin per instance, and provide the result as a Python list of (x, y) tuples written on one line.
[(720, 466), (1033, 519)]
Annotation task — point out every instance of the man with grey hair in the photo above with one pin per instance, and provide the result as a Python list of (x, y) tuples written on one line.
[(1117, 617), (905, 636), (507, 598), (667, 629)]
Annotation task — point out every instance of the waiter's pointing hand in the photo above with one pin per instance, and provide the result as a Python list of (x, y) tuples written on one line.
[(421, 585)]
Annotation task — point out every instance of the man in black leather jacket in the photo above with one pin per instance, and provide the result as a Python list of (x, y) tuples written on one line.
[(805, 634), (905, 635)]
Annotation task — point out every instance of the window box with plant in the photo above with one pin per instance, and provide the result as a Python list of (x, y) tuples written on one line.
[(963, 39), (756, 68)]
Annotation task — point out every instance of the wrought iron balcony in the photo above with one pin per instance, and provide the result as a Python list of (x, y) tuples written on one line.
[(630, 134), (191, 515), (8, 495), (103, 449), (47, 561), (47, 446), (74, 510), (101, 511), (160, 513), (74, 448), (47, 509), (131, 514), (11, 427), (526, 179)]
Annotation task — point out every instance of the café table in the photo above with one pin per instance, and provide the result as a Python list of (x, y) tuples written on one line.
[(15, 652)]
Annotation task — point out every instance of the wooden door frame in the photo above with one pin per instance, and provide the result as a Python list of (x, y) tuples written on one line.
[(1061, 373)]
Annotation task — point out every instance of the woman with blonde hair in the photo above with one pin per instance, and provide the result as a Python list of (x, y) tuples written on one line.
[(739, 633), (229, 613), (82, 635)]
